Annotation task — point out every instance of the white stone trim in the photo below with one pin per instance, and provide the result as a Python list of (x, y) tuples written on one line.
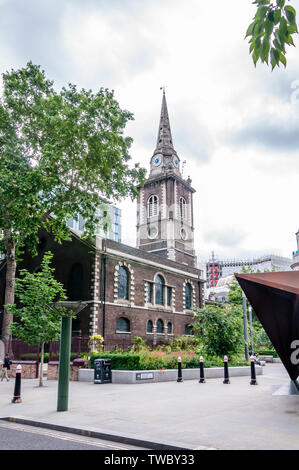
[(151, 263), (150, 307), (193, 295), (131, 281)]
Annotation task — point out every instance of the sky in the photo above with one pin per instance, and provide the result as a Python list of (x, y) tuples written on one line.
[(236, 126)]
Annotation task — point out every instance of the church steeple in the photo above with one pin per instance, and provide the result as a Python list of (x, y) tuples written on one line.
[(165, 158), (165, 203), (164, 140)]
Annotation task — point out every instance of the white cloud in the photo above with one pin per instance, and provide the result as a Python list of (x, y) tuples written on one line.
[(247, 193)]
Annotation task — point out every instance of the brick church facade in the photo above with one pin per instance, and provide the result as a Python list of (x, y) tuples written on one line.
[(149, 291)]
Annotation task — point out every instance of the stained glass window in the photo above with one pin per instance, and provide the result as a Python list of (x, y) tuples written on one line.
[(152, 206), (149, 327), (160, 326), (150, 293), (123, 283), (123, 324), (159, 290), (188, 300), (183, 208)]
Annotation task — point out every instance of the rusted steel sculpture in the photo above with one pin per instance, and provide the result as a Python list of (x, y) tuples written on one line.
[(275, 300)]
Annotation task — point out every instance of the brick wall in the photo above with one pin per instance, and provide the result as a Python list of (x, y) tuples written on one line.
[(53, 367), (28, 369)]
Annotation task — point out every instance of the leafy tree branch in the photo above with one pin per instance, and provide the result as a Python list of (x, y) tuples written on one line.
[(271, 31)]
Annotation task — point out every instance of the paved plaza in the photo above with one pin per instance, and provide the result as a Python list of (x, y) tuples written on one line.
[(188, 415)]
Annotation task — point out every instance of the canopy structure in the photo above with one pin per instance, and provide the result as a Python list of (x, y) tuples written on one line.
[(274, 298)]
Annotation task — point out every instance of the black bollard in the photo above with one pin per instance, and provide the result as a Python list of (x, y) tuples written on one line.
[(202, 379), (180, 378), (253, 380), (226, 376), (17, 391)]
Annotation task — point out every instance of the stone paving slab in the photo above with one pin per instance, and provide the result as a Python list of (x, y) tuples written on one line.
[(187, 414)]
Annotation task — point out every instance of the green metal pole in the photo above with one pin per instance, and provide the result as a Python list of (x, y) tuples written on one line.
[(245, 326), (64, 363)]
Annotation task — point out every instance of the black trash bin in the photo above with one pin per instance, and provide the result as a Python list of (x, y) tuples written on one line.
[(102, 371)]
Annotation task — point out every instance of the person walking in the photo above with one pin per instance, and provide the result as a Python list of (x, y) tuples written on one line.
[(6, 367)]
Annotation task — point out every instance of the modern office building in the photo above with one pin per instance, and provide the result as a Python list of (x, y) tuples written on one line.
[(219, 268), (110, 228)]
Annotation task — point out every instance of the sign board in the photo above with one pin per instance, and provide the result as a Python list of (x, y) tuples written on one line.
[(144, 376)]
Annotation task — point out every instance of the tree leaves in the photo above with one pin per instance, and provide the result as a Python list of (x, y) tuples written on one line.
[(62, 153), (220, 329), (38, 323), (272, 29)]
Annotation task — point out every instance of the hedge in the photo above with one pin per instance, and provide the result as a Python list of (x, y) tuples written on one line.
[(119, 361), (267, 352), (128, 361)]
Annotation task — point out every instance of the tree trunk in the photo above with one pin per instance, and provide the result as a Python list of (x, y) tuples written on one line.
[(41, 365), (9, 298)]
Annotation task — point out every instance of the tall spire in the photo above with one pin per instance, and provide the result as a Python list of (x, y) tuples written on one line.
[(164, 140)]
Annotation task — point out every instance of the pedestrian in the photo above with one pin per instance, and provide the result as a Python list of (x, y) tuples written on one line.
[(6, 367), (256, 359)]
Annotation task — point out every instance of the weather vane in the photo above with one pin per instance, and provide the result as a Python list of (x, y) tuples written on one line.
[(163, 88)]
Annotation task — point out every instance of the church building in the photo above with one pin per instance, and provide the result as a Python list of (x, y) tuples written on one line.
[(149, 291)]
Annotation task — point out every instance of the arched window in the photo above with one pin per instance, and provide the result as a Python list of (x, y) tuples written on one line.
[(188, 296), (159, 290), (183, 208), (76, 282), (160, 326), (123, 283), (152, 206), (188, 330), (123, 325), (169, 328), (149, 326)]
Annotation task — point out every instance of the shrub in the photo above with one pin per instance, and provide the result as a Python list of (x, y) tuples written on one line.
[(139, 344), (32, 357), (261, 339), (184, 343), (221, 329), (97, 342), (267, 352), (119, 361)]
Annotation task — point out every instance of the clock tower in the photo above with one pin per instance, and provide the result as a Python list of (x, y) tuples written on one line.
[(165, 202)]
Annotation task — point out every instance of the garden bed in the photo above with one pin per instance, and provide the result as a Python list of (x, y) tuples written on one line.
[(166, 375), (157, 360)]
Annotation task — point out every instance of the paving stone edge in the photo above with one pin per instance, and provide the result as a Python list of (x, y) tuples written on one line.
[(121, 438)]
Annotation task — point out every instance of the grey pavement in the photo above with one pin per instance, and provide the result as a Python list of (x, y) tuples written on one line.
[(168, 415)]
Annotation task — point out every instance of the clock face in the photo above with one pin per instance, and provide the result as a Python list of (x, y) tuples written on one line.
[(152, 232), (175, 161), (157, 160), (183, 234)]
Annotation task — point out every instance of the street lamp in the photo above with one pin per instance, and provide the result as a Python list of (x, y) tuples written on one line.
[(72, 308), (251, 327), (245, 326)]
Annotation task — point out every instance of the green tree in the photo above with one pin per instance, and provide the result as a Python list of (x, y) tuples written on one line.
[(61, 153), (235, 291), (220, 328), (37, 323), (271, 30)]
